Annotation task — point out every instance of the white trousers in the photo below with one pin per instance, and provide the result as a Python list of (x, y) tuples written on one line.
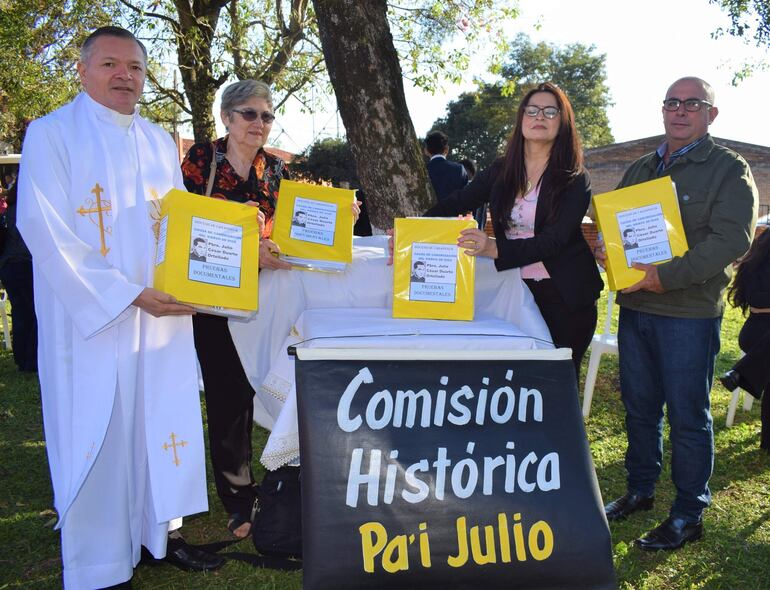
[(112, 515)]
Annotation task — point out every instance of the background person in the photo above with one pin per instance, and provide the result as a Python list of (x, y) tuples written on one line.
[(751, 292), (538, 193), (9, 180), (480, 215), (668, 327), (16, 276), (445, 176)]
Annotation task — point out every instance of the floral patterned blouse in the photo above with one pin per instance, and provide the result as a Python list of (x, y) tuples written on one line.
[(262, 185)]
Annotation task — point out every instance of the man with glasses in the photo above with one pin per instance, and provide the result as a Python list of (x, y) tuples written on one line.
[(668, 330)]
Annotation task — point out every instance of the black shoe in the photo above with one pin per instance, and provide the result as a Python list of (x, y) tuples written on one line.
[(730, 380), (189, 558), (123, 586), (628, 504), (672, 533)]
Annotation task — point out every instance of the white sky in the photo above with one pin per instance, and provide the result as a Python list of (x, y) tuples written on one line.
[(648, 45)]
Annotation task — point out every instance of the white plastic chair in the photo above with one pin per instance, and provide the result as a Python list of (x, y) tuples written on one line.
[(604, 343), (4, 318), (748, 401)]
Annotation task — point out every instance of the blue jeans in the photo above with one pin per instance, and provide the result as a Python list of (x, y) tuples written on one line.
[(666, 360)]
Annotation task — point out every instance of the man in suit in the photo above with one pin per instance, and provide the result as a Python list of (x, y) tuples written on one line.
[(445, 176)]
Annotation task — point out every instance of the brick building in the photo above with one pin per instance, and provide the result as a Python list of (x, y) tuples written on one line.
[(606, 164), (183, 145)]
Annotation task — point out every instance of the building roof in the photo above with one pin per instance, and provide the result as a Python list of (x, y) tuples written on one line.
[(186, 143), (606, 164)]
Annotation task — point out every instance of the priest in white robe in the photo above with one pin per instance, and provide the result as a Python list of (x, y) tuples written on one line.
[(117, 364)]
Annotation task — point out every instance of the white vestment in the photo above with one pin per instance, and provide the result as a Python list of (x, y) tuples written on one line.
[(121, 406)]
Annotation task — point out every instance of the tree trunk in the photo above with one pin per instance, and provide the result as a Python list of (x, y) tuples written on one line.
[(366, 75), (194, 38)]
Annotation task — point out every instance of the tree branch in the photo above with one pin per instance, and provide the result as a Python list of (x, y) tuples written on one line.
[(171, 21)]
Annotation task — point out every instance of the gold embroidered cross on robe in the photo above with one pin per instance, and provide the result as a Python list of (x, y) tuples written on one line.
[(173, 446), (102, 208)]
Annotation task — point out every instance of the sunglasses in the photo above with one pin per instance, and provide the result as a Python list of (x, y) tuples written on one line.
[(251, 115)]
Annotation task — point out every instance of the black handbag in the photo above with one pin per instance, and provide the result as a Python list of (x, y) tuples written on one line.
[(276, 527)]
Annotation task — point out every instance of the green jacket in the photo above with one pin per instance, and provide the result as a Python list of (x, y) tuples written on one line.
[(718, 202)]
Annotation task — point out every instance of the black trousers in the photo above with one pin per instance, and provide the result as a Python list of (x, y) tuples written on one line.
[(569, 328), (754, 368), (230, 411), (17, 280)]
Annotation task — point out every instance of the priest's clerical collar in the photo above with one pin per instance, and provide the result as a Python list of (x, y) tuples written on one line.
[(107, 115)]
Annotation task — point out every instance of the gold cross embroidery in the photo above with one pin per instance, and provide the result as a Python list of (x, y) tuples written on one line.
[(90, 452), (155, 214), (174, 444), (100, 207)]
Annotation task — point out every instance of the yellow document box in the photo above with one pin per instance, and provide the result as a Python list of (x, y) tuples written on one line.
[(639, 223), (208, 252), (432, 278), (313, 226)]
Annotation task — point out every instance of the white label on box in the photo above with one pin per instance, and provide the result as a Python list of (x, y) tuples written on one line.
[(433, 272), (644, 234), (160, 250), (313, 221), (215, 252)]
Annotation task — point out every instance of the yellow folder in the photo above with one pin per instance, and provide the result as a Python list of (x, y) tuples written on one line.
[(313, 226), (432, 277), (207, 253), (639, 223)]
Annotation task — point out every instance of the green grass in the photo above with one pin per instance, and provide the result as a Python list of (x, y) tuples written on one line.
[(734, 554)]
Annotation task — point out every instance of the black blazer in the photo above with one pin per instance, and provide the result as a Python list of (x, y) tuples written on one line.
[(446, 176), (558, 243)]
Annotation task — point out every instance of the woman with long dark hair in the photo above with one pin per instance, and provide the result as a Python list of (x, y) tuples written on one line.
[(751, 292), (538, 193)]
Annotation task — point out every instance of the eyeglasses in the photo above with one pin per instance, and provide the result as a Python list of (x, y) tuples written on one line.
[(548, 112), (251, 115), (691, 105)]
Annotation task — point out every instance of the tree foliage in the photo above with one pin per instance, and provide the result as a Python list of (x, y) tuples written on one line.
[(39, 42), (212, 41), (328, 159), (277, 41), (750, 21), (435, 38), (478, 123)]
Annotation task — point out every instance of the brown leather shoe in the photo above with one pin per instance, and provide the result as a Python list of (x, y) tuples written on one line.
[(672, 533), (628, 504)]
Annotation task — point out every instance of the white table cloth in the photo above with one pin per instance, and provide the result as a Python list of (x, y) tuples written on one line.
[(352, 310)]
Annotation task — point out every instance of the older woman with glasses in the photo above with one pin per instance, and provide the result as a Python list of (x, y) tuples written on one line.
[(237, 168), (538, 193)]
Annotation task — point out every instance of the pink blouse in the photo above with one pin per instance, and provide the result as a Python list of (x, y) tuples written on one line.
[(523, 226)]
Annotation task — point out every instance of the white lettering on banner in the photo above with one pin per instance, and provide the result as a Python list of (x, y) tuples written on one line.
[(462, 477), (465, 405)]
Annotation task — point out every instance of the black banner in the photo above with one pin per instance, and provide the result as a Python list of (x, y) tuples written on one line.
[(425, 474)]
